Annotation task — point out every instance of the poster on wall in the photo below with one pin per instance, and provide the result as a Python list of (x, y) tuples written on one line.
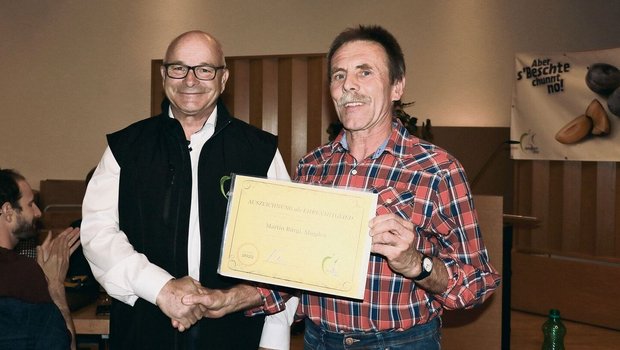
[(566, 106)]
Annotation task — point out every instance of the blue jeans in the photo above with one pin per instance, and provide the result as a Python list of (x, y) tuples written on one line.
[(422, 337), (28, 326)]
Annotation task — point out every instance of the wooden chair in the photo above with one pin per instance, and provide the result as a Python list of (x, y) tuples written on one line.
[(61, 202)]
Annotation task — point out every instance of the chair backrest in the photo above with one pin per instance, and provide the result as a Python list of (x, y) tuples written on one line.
[(61, 202), (481, 327)]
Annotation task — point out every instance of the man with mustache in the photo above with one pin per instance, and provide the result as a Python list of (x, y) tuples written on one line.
[(34, 313), (427, 250), (153, 213)]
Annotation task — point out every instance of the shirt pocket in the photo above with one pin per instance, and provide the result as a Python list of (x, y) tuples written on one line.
[(402, 202)]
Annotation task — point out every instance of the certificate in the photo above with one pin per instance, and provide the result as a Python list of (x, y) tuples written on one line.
[(302, 236)]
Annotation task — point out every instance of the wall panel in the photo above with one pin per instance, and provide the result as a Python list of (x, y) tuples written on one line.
[(237, 93), (270, 95), (605, 204), (567, 260)]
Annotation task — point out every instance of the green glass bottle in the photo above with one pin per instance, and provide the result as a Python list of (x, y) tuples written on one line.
[(553, 331)]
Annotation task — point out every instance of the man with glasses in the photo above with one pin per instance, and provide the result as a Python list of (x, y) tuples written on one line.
[(154, 211)]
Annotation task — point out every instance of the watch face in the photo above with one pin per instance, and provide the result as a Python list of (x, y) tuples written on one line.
[(427, 267), (427, 264)]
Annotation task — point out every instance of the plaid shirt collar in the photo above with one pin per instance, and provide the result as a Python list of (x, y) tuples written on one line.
[(401, 144)]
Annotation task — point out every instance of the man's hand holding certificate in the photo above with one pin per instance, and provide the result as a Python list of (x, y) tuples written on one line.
[(295, 235)]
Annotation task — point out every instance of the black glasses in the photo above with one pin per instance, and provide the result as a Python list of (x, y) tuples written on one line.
[(202, 72)]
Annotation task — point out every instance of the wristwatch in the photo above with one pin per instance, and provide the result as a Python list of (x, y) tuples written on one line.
[(427, 268)]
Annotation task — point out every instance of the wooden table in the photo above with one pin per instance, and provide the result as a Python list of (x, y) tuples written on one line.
[(87, 322)]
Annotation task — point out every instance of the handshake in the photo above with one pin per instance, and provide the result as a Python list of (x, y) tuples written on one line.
[(186, 301)]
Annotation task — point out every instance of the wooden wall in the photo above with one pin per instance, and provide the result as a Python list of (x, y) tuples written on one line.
[(577, 204), (485, 155), (571, 259)]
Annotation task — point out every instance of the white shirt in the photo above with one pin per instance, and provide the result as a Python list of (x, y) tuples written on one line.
[(124, 273), (128, 275), (277, 328)]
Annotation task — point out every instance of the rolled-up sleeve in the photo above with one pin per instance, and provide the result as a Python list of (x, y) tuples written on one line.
[(471, 277)]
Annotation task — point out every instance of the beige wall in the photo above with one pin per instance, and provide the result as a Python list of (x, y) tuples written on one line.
[(73, 71)]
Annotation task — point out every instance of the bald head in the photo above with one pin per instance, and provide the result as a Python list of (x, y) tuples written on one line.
[(193, 99), (197, 36)]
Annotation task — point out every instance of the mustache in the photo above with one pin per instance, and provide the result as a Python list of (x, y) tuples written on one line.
[(350, 97)]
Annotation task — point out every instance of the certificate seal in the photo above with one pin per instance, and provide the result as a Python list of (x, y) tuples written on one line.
[(247, 254), (330, 266)]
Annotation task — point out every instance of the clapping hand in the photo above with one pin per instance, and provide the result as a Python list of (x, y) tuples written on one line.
[(53, 254)]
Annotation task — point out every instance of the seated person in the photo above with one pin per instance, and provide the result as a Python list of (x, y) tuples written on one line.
[(34, 313)]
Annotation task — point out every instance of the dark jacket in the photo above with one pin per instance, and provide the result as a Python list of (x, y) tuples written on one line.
[(154, 206)]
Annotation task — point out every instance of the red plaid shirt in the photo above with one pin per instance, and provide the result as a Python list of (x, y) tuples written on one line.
[(422, 183)]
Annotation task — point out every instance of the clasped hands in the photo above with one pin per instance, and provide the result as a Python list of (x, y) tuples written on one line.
[(185, 301)]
